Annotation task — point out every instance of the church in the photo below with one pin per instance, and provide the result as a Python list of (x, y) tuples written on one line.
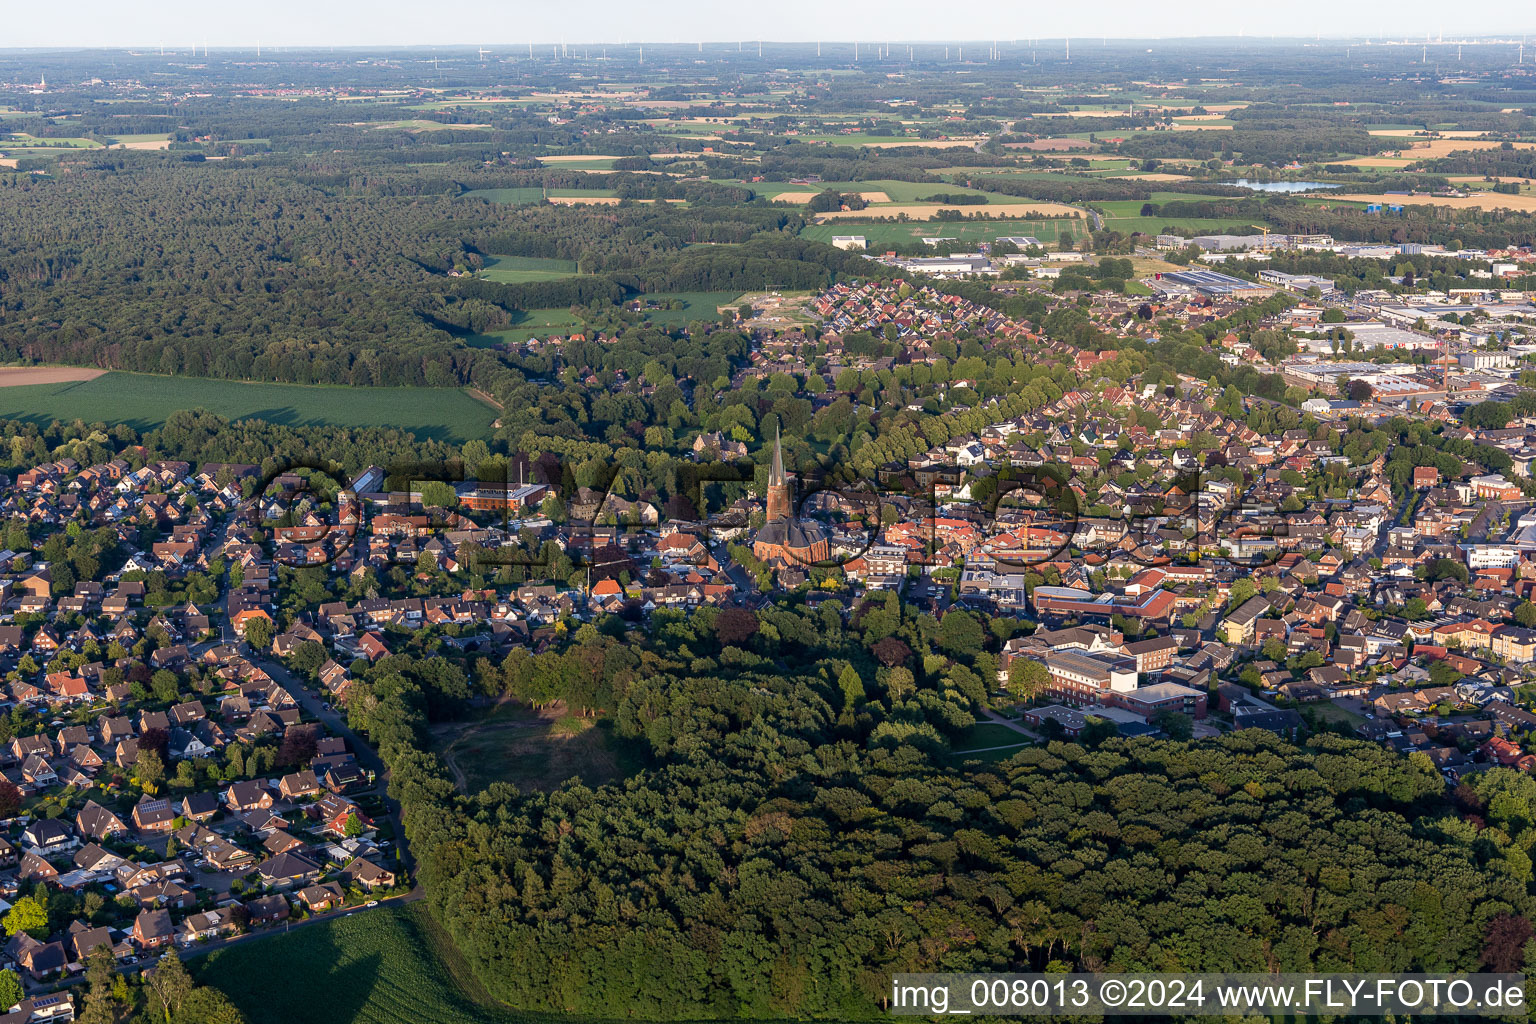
[(784, 540)]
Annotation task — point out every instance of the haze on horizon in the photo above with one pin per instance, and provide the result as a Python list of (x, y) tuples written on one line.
[(179, 24)]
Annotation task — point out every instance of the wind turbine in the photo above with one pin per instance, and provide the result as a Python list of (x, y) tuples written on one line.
[(483, 52)]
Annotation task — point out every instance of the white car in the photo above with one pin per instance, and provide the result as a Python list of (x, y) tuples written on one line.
[(371, 903)]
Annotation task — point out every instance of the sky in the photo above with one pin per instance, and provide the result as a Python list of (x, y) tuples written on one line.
[(229, 23)]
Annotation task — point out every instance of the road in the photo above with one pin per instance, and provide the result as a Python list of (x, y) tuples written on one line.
[(337, 724), (1007, 723)]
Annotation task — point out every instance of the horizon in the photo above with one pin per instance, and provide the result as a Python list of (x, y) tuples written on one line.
[(350, 24)]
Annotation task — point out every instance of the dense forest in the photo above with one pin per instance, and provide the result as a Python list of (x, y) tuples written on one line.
[(801, 831)]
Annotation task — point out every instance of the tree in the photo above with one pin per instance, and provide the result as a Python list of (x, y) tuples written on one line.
[(1027, 678), (852, 685), (1242, 590), (10, 990), (10, 799), (1525, 614), (169, 986), (353, 826), (735, 626), (1360, 391), (960, 633), (258, 631), (1504, 943), (1176, 724), (149, 770), (891, 651), (27, 915)]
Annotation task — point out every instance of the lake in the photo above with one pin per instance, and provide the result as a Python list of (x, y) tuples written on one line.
[(1283, 186)]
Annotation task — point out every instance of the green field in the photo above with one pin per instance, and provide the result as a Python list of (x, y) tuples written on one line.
[(528, 194), (143, 401), (521, 269), (883, 234), (534, 322), (23, 140), (387, 966), (696, 306), (533, 750), (128, 139), (596, 163), (988, 734)]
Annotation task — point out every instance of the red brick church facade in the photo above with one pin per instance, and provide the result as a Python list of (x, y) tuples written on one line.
[(784, 540)]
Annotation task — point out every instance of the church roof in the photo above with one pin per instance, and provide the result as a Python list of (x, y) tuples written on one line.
[(792, 534), (776, 472)]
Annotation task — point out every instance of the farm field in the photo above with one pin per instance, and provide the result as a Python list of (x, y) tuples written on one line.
[(928, 211), (392, 965), (805, 197), (143, 401), (971, 231), (22, 140), (423, 125), (578, 162), (889, 142), (18, 376), (1427, 149), (514, 196), (534, 194), (596, 197), (1484, 201), (892, 191), (522, 269), (696, 306)]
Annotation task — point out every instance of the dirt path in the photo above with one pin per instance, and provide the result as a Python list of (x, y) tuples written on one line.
[(481, 396)]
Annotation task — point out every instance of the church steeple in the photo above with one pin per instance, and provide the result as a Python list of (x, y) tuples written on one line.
[(778, 483)]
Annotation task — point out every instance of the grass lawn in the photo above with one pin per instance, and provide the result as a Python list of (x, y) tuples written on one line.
[(988, 734), (143, 401), (1328, 711), (385, 966), (521, 269), (534, 750)]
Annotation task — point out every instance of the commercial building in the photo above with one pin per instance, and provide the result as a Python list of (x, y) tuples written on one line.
[(1209, 282), (1298, 283), (1082, 679)]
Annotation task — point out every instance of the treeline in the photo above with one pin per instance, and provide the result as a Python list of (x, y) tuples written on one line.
[(1504, 162), (1482, 229)]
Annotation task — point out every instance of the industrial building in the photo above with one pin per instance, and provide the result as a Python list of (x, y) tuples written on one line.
[(1209, 282)]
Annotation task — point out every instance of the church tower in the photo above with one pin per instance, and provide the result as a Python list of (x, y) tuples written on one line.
[(778, 484)]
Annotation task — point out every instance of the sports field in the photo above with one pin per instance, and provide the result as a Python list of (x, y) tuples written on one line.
[(143, 401)]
